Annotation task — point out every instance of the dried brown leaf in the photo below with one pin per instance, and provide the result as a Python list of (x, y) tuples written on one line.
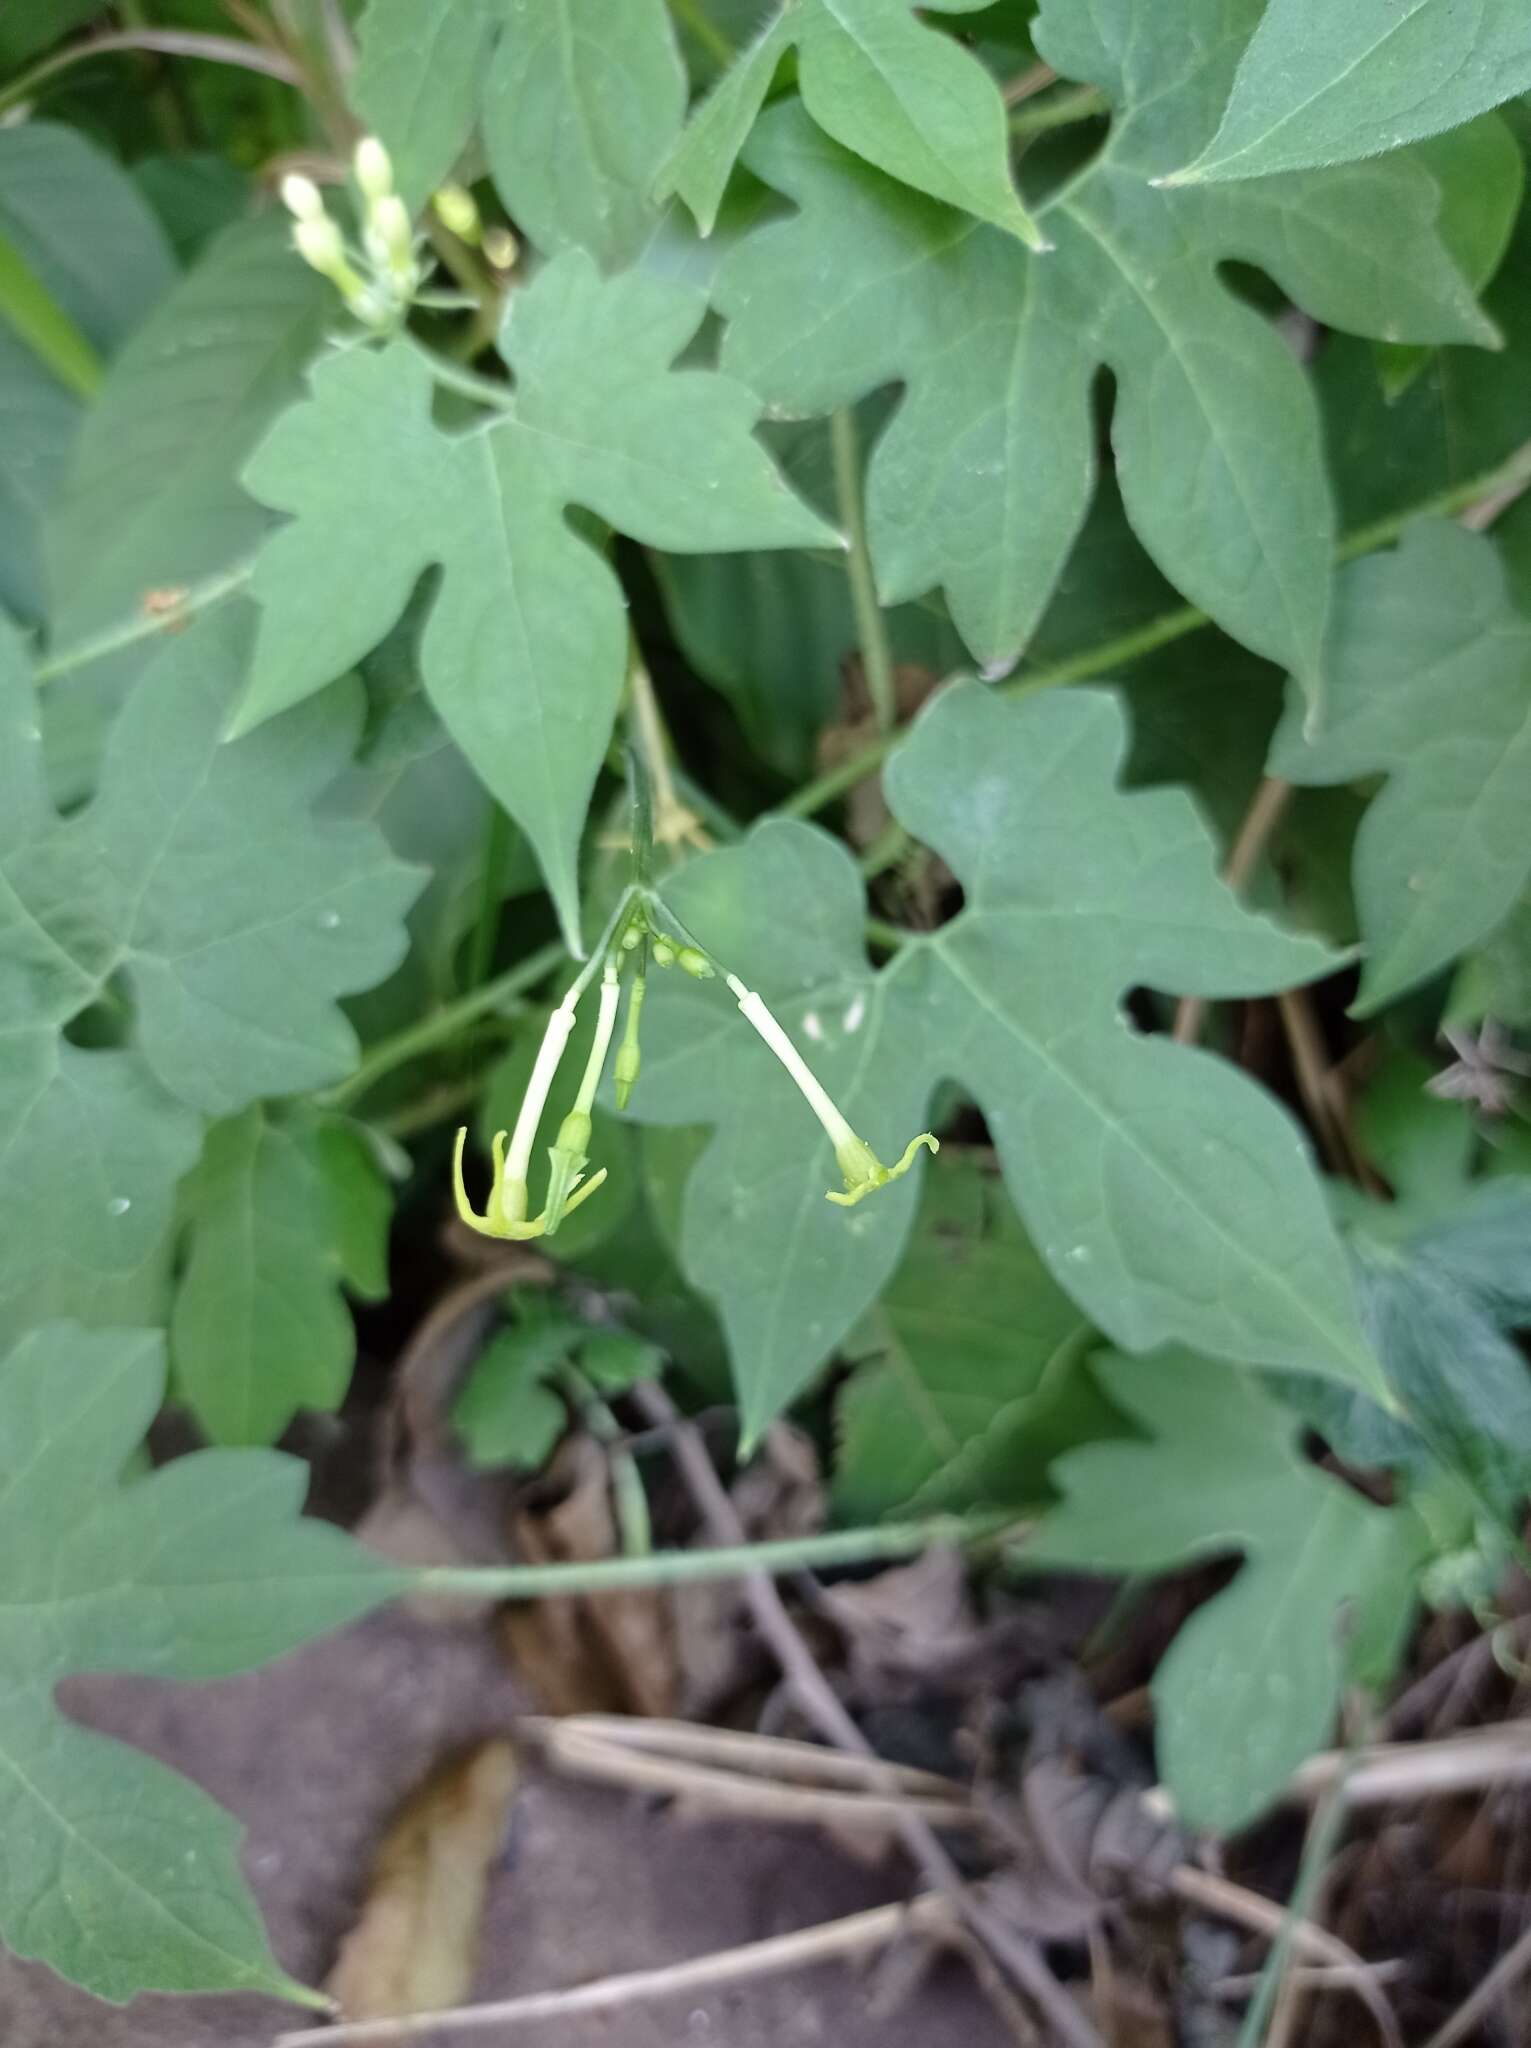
[(414, 1947), (608, 1653)]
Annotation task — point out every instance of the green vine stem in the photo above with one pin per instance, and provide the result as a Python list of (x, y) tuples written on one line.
[(145, 624), (833, 1548), (871, 626), (1079, 103)]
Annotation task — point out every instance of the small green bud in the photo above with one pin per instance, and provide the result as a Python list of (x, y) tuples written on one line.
[(632, 938), (302, 198), (696, 964), (625, 1073), (457, 211), (665, 954), (374, 169)]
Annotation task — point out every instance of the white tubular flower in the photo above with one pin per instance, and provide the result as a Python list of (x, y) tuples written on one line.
[(861, 1169)]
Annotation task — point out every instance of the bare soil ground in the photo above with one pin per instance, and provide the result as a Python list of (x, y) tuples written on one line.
[(314, 1754)]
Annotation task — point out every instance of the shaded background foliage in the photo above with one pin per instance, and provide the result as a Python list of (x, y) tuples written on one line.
[(764, 432)]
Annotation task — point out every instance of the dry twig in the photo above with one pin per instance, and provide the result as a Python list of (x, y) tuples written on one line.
[(1266, 1917), (1510, 1966), (855, 1935), (1020, 1957), (1388, 1771)]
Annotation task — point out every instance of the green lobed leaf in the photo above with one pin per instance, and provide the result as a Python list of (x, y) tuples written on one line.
[(358, 1204), (1482, 176), (1445, 849), (1166, 1194), (507, 1414), (202, 912), (581, 102), (416, 83), (578, 101), (881, 82), (511, 1411), (968, 1379), (1358, 77), (1251, 1685), (1444, 1276), (119, 1874), (982, 480), (259, 1328), (1464, 413), (524, 653), (1458, 1379)]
